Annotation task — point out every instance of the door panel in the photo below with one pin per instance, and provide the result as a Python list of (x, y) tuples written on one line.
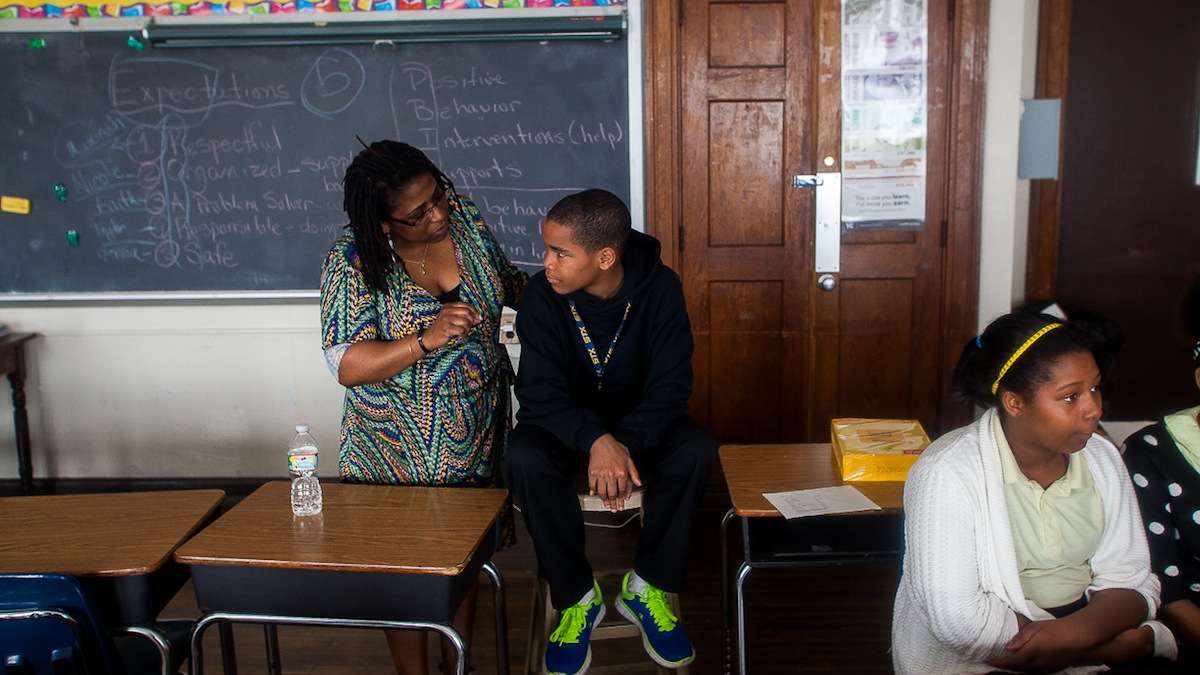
[(751, 315), (745, 34), (746, 154)]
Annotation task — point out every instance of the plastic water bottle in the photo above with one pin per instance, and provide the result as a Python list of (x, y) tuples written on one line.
[(302, 464)]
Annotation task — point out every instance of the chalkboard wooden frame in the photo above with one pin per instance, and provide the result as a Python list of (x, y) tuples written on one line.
[(134, 27)]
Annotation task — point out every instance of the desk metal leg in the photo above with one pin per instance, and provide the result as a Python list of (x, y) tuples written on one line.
[(725, 634), (493, 573), (158, 640), (739, 586), (228, 618), (197, 654), (228, 651), (271, 636), (460, 647)]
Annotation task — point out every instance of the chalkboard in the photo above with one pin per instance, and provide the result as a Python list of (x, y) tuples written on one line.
[(220, 169)]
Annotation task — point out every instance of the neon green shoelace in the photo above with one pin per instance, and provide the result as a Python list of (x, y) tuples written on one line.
[(660, 609), (570, 626)]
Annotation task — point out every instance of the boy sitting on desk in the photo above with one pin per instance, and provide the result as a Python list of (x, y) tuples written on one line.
[(604, 379)]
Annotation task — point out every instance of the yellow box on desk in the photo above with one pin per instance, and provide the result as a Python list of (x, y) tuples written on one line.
[(876, 450)]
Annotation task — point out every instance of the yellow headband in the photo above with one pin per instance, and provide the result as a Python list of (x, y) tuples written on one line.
[(1021, 350)]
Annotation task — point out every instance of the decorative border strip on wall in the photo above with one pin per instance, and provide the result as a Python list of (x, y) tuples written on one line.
[(35, 9)]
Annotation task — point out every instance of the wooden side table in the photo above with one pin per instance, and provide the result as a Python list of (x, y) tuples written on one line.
[(377, 556), (12, 364), (769, 541)]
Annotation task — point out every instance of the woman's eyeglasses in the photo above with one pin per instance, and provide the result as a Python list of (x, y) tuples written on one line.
[(435, 200)]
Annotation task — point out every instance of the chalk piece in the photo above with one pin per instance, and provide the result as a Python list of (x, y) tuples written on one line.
[(73, 238), (14, 205), (135, 43), (60, 192), (37, 43)]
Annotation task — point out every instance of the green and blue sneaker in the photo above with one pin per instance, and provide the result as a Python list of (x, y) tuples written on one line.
[(569, 649), (662, 633)]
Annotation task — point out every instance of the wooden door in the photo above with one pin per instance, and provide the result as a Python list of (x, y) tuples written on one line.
[(1118, 237), (777, 358)]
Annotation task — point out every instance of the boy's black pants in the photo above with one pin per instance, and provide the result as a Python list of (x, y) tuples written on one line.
[(541, 473)]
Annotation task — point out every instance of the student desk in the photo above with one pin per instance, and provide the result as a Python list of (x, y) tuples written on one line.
[(375, 557), (770, 541), (12, 364), (118, 545)]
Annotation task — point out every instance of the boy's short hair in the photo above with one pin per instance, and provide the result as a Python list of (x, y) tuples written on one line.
[(596, 218)]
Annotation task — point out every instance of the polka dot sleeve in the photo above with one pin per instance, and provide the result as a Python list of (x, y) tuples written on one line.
[(1153, 492)]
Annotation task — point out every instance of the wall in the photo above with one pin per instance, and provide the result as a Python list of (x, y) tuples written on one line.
[(1011, 70), (184, 390), (140, 391)]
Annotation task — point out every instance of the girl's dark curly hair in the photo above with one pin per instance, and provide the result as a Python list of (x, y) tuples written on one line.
[(983, 357)]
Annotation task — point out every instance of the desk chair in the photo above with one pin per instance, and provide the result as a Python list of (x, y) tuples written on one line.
[(541, 614), (48, 626)]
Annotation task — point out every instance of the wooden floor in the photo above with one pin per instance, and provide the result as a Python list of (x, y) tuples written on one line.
[(833, 620)]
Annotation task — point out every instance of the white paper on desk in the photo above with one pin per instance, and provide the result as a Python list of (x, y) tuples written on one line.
[(821, 501)]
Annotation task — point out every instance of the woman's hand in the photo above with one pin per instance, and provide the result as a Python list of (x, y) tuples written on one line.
[(455, 320)]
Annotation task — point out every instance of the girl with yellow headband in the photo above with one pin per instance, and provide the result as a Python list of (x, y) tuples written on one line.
[(1025, 550), (1164, 460)]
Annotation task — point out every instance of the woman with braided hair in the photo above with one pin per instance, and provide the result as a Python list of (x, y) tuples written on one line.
[(411, 298)]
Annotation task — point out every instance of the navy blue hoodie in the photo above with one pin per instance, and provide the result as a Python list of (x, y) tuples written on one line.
[(648, 380)]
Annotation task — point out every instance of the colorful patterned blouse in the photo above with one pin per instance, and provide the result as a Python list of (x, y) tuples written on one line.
[(443, 420)]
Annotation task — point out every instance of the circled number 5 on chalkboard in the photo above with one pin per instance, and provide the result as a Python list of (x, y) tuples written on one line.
[(332, 83)]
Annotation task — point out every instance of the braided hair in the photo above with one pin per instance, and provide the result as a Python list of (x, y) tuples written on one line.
[(377, 173)]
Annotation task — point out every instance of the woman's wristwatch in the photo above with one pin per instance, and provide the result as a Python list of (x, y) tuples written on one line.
[(421, 343)]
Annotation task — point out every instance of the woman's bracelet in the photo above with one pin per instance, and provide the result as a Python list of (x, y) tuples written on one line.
[(421, 343)]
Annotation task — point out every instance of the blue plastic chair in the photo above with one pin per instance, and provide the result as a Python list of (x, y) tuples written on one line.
[(48, 626)]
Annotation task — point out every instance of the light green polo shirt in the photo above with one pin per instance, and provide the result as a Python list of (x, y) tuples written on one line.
[(1185, 431), (1055, 531)]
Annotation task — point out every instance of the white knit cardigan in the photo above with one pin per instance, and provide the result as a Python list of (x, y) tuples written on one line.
[(960, 590)]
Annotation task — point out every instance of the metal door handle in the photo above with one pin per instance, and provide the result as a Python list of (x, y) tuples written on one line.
[(827, 230), (827, 282), (827, 226), (806, 181)]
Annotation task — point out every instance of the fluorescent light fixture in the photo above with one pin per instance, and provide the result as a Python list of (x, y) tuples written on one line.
[(254, 34)]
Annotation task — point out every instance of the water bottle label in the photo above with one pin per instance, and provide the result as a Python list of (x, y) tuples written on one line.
[(299, 461)]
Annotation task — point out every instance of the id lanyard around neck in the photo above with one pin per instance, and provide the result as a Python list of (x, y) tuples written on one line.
[(597, 364)]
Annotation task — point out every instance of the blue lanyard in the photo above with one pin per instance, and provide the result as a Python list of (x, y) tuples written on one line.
[(597, 364)]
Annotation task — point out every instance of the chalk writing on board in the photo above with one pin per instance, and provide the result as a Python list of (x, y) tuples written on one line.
[(224, 170)]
